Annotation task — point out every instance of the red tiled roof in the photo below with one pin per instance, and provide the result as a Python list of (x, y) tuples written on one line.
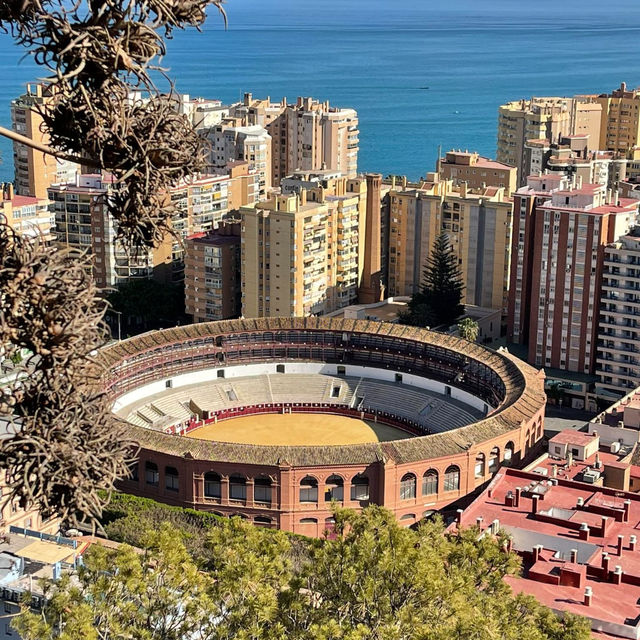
[(25, 201), (562, 509), (571, 436)]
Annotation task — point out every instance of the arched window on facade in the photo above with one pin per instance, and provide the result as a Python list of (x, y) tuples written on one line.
[(262, 490), (408, 486), (334, 489), (452, 478), (151, 473), (508, 452), (430, 483), (494, 460), (308, 521), (479, 469), (237, 487), (308, 489), (360, 487), (527, 441), (171, 479), (212, 485)]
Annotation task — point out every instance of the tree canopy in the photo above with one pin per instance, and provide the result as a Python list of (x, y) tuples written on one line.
[(468, 329), (370, 579), (438, 302)]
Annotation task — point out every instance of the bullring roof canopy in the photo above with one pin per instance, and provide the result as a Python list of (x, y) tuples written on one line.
[(521, 386)]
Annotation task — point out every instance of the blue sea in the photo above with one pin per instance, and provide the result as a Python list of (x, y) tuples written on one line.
[(421, 73)]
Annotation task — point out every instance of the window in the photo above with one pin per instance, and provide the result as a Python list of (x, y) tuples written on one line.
[(430, 483), (309, 521), (279, 368), (168, 384), (171, 480), (408, 487), (262, 520), (212, 485), (479, 472), (220, 373), (452, 478), (335, 489), (237, 487), (494, 459), (262, 490), (151, 473), (308, 489), (359, 487)]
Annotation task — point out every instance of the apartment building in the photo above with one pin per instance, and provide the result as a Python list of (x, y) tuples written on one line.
[(84, 224), (620, 123), (250, 144), (301, 253), (306, 135), (203, 113), (212, 274), (35, 171), (478, 223), (572, 156), (543, 118), (560, 229), (27, 215), (477, 171), (618, 355)]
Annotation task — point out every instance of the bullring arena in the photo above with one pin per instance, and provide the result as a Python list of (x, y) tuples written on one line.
[(273, 419)]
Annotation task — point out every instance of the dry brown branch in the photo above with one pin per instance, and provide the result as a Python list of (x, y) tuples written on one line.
[(62, 443), (65, 445)]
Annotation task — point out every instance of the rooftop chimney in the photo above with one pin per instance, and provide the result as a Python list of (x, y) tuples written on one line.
[(617, 575), (632, 542), (534, 504), (620, 544), (588, 594), (605, 566), (574, 556)]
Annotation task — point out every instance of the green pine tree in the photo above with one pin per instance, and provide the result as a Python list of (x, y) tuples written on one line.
[(438, 301)]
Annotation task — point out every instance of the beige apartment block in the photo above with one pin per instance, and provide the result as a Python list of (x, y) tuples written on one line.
[(477, 171), (620, 124), (478, 223), (301, 252), (27, 215), (35, 171), (250, 144), (306, 135), (543, 118), (202, 112)]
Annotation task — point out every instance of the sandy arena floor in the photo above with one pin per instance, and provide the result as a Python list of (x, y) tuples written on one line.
[(297, 429)]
